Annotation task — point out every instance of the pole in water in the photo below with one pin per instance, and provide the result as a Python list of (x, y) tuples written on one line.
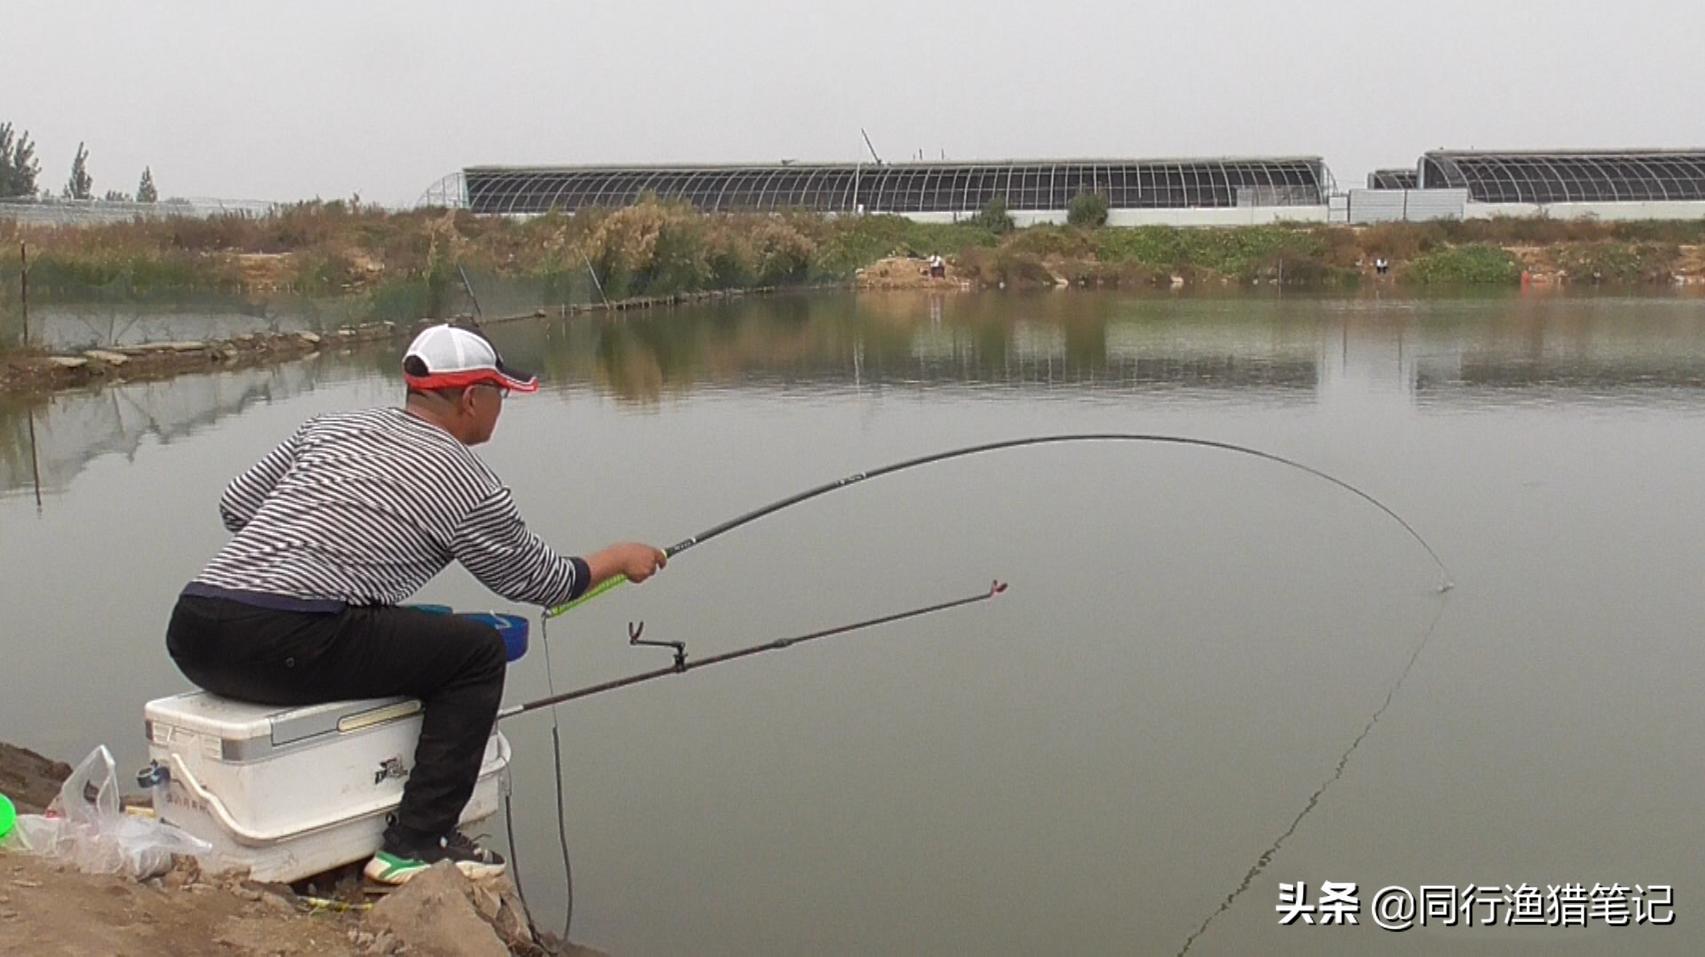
[(24, 286), (470, 290), (682, 665), (35, 457), (857, 477), (595, 283)]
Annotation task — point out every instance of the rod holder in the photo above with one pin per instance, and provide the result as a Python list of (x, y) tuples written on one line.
[(637, 628)]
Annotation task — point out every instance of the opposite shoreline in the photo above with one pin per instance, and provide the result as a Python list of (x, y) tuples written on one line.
[(38, 373)]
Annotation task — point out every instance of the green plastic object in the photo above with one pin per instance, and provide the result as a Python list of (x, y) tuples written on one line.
[(603, 587), (8, 816)]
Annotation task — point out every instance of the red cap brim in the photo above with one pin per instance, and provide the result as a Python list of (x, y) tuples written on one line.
[(461, 380)]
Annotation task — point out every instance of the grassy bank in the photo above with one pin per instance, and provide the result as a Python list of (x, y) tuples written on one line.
[(660, 249)]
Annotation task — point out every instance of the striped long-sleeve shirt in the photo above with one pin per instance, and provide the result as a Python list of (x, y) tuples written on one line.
[(363, 508)]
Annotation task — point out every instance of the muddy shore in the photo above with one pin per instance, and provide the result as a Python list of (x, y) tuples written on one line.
[(34, 372), (46, 907)]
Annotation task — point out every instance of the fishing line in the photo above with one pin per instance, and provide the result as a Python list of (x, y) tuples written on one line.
[(857, 477), (1266, 856), (556, 761), (681, 665)]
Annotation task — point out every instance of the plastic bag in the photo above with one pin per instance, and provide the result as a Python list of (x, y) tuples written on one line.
[(85, 827)]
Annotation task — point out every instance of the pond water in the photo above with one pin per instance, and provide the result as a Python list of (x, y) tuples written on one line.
[(1201, 654)]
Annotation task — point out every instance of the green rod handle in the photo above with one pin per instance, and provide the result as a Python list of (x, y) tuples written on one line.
[(601, 588)]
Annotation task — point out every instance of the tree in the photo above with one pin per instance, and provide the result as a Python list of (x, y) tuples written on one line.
[(993, 217), (18, 166), (114, 196), (145, 191), (81, 185), (1087, 209)]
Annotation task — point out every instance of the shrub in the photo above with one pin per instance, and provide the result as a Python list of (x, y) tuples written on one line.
[(1088, 210), (994, 217), (1618, 262), (1475, 263), (991, 267)]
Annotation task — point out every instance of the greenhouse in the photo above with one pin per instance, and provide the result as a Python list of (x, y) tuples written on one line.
[(1607, 176), (951, 189), (1393, 179)]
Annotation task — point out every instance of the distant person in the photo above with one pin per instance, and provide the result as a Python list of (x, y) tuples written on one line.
[(1380, 266), (937, 267), (352, 515)]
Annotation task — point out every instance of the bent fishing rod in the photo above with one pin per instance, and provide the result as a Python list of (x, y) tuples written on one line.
[(682, 664), (1445, 583)]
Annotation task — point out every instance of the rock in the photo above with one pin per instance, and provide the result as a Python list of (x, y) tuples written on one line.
[(110, 358), (434, 915), (486, 901), (29, 779), (68, 362), (308, 337), (185, 871)]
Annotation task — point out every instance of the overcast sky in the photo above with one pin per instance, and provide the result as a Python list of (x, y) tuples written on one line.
[(287, 100)]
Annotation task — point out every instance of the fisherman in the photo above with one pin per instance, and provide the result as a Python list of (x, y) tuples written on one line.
[(353, 514)]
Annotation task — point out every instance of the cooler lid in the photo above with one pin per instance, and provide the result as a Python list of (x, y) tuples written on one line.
[(236, 721)]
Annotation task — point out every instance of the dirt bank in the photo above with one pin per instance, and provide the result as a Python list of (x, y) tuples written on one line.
[(35, 372), (48, 908), (38, 371), (908, 272)]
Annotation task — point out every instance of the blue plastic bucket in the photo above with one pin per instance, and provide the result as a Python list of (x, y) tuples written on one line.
[(513, 628)]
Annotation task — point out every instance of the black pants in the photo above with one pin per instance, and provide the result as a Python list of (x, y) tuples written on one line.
[(454, 666)]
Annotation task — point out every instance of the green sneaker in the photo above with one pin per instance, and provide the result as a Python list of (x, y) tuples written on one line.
[(395, 865)]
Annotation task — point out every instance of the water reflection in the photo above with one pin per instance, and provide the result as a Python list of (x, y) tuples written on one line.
[(71, 429), (1440, 354), (85, 316)]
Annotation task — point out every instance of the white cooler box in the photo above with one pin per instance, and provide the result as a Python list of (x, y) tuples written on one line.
[(286, 793)]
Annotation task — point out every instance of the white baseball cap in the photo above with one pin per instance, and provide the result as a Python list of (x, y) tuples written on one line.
[(450, 357)]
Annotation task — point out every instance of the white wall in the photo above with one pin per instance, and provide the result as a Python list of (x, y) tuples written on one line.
[(1217, 216), (1366, 206), (1606, 211)]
